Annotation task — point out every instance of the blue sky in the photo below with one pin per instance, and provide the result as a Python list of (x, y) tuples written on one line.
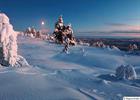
[(92, 16)]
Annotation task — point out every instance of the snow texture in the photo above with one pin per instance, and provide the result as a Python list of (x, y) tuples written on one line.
[(87, 73)]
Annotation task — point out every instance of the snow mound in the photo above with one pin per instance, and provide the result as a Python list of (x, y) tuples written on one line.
[(21, 62), (126, 72)]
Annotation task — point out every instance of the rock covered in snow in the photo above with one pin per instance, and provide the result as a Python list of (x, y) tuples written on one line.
[(8, 39), (126, 72)]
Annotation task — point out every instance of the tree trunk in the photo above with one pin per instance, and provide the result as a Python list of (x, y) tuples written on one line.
[(2, 61)]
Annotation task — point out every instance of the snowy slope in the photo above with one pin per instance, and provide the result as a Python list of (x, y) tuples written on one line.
[(87, 75)]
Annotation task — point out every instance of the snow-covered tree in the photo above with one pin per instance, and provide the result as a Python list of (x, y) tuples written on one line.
[(115, 48), (120, 72), (8, 39), (130, 72), (126, 72)]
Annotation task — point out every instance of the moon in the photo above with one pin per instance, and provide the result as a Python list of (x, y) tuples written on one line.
[(42, 23)]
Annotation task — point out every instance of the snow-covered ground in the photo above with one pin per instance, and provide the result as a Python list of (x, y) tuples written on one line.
[(86, 73)]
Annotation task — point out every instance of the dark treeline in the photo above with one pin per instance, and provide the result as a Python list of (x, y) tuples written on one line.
[(121, 43)]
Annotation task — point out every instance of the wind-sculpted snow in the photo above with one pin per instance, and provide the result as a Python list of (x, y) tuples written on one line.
[(30, 84), (102, 58), (85, 73)]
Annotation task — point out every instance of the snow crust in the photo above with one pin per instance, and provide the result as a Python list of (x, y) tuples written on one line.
[(85, 73)]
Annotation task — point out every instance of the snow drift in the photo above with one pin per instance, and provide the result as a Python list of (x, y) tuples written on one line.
[(87, 73)]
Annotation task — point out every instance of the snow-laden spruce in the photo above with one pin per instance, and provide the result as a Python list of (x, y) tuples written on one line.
[(126, 72), (8, 40)]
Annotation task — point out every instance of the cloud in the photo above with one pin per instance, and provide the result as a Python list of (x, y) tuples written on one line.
[(125, 31), (122, 27), (117, 24), (111, 34), (115, 30), (134, 19)]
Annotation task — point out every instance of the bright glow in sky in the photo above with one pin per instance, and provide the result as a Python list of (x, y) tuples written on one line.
[(42, 23)]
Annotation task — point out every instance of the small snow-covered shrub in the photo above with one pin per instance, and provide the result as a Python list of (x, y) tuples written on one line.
[(84, 43), (126, 72), (115, 48)]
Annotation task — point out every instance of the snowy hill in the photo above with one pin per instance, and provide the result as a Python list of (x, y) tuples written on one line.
[(86, 73)]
